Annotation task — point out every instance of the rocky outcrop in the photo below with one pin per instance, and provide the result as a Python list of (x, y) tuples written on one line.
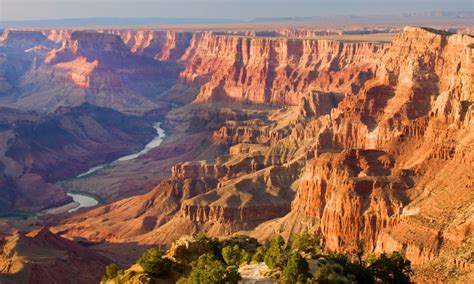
[(187, 249), (225, 214), (318, 104), (24, 40), (58, 35), (43, 257), (136, 217), (253, 132), (242, 201), (277, 71), (354, 195), (198, 170), (160, 45), (97, 68), (91, 45)]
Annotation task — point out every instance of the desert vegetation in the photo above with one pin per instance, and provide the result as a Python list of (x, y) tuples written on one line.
[(301, 259)]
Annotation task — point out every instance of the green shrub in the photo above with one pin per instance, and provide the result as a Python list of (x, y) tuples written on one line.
[(246, 257), (390, 268), (201, 237), (325, 274), (111, 271), (209, 269), (153, 263), (244, 242), (276, 255), (296, 271), (232, 255), (305, 243), (259, 255), (350, 269)]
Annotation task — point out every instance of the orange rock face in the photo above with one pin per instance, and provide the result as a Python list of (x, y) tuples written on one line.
[(354, 194), (275, 71), (417, 110)]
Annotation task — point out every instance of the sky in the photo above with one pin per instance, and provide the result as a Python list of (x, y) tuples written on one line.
[(13, 10)]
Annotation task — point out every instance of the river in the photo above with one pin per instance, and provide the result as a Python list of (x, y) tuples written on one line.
[(84, 201)]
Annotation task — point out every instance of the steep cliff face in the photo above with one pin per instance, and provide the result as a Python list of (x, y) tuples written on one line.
[(160, 45), (354, 194), (251, 131), (91, 45), (97, 68), (407, 97), (277, 71), (242, 202), (5, 85), (307, 33), (58, 35), (24, 40), (417, 109), (433, 78), (17, 52)]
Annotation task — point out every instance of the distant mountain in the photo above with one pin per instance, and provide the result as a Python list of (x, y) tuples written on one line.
[(94, 22), (457, 16), (461, 16)]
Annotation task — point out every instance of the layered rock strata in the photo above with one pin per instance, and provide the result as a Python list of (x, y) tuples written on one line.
[(275, 71)]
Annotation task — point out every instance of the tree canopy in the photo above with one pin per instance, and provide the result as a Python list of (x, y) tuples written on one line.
[(296, 270), (152, 262), (209, 269), (393, 268), (275, 256)]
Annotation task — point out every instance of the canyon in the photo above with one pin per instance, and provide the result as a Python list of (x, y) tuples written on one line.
[(39, 151), (367, 144)]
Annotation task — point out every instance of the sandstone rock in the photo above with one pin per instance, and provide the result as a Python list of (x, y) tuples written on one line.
[(276, 71), (160, 45), (41, 256), (97, 68), (353, 194)]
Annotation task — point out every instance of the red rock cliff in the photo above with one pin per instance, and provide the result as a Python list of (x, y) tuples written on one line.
[(417, 110), (277, 71)]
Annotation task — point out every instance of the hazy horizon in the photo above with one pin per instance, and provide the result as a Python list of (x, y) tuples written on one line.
[(28, 10)]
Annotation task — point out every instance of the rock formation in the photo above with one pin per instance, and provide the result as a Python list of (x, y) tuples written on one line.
[(64, 68), (275, 71), (24, 40), (160, 45), (418, 113), (42, 257)]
